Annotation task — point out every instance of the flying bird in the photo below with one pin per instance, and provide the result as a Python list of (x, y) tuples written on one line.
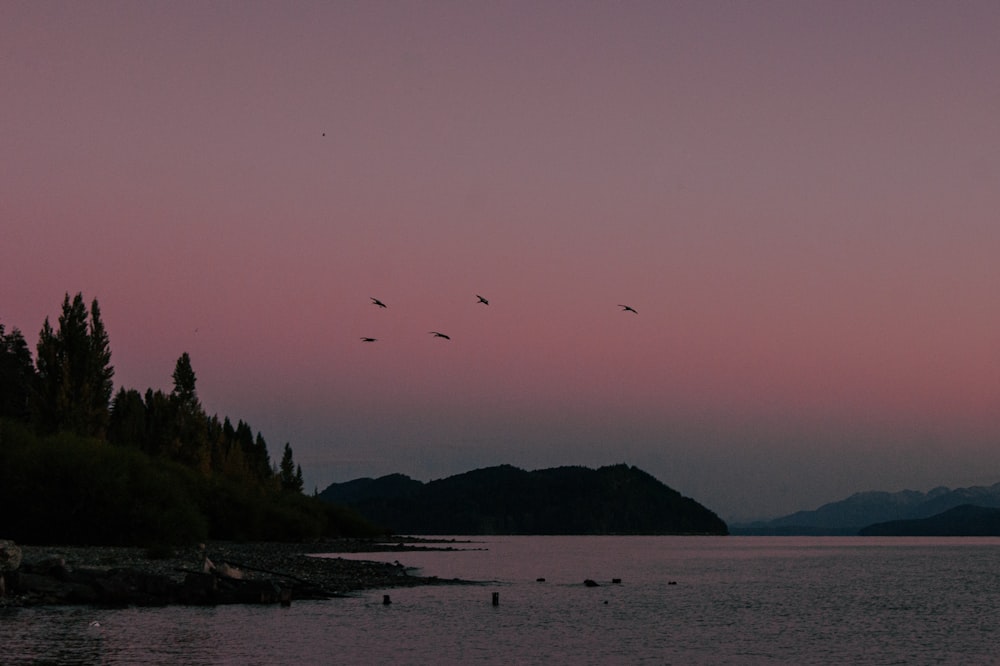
[(626, 308), (482, 300), (377, 302), (369, 339), (440, 335)]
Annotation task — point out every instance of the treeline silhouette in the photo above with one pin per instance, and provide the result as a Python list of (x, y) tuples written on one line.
[(615, 499), (78, 466)]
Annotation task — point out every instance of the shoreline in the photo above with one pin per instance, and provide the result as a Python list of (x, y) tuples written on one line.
[(252, 572)]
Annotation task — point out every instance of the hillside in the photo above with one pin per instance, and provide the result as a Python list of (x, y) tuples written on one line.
[(965, 520), (616, 499), (850, 515)]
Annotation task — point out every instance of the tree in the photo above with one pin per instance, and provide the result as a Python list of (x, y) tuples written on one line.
[(184, 384), (290, 475), (192, 437), (17, 375), (260, 460), (127, 426), (49, 378), (240, 449), (74, 371), (100, 371), (159, 424)]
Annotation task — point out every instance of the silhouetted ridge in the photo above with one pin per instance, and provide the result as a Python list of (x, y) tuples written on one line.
[(964, 520), (850, 515), (617, 499), (358, 490)]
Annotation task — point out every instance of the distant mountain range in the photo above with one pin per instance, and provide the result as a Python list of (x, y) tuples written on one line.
[(861, 510), (617, 499), (965, 520)]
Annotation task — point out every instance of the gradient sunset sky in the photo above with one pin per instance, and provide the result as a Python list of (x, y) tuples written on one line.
[(800, 199)]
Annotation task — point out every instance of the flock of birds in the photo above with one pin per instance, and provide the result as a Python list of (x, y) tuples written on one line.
[(438, 334)]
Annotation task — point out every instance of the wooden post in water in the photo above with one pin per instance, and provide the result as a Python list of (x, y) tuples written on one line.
[(386, 600), (496, 598)]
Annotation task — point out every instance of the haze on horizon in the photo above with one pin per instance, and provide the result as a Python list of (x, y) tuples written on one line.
[(798, 199)]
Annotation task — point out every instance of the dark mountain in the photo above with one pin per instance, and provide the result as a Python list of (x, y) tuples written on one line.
[(850, 515), (360, 490), (617, 499), (964, 520)]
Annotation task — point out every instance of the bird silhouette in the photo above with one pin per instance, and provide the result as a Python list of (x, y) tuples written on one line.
[(377, 302), (369, 339), (440, 335), (626, 308), (482, 300)]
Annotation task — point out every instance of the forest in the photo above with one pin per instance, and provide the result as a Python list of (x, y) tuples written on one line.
[(81, 464)]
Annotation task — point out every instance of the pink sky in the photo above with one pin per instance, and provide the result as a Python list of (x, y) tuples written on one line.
[(800, 200)]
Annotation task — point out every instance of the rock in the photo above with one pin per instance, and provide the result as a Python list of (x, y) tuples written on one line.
[(272, 573), (113, 590), (226, 570), (590, 583), (44, 589), (81, 593), (199, 588), (249, 592), (131, 587), (46, 565), (10, 556)]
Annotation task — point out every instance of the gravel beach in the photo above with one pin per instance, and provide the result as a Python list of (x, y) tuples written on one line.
[(292, 565)]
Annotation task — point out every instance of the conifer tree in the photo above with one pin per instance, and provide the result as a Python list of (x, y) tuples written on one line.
[(261, 460), (243, 439), (291, 478), (74, 371), (17, 375), (49, 378), (100, 373), (127, 426), (192, 445), (159, 423), (184, 384)]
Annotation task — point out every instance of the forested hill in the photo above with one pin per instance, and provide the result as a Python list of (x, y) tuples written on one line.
[(81, 465), (617, 499)]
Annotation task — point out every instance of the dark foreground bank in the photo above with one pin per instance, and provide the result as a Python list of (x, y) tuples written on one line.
[(221, 573)]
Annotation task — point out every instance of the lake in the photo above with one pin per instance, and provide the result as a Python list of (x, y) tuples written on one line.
[(681, 600)]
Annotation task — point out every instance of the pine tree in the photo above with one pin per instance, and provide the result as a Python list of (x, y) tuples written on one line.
[(17, 375), (161, 425), (190, 426), (74, 371), (49, 379), (184, 392), (261, 461), (291, 478), (100, 373), (73, 395), (127, 426)]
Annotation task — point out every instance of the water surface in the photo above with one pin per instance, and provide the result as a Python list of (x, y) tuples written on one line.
[(681, 600)]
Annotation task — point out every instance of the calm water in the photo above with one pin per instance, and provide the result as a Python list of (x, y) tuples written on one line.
[(682, 600)]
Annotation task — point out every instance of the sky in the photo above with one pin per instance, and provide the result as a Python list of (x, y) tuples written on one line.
[(800, 201)]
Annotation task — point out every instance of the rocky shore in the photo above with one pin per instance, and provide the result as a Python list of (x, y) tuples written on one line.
[(214, 573)]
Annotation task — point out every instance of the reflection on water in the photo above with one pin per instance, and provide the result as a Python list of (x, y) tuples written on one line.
[(737, 600), (62, 636)]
